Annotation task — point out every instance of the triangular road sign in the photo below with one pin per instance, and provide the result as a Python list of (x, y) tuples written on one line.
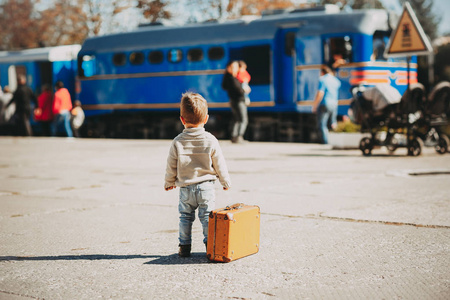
[(409, 37)]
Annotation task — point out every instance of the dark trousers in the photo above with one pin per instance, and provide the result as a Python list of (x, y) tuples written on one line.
[(240, 118), (22, 122)]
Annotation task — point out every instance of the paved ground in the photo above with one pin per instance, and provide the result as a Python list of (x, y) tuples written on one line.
[(84, 219)]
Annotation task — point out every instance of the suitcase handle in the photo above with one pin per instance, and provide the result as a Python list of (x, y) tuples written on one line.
[(235, 206)]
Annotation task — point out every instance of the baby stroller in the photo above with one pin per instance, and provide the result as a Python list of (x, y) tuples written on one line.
[(389, 117), (436, 111)]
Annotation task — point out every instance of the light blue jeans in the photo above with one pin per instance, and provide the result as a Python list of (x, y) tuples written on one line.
[(62, 117), (325, 113), (202, 196)]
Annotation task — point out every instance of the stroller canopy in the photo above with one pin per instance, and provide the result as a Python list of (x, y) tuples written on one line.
[(381, 96)]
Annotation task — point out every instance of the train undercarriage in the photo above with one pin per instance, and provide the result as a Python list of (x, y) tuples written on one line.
[(267, 127)]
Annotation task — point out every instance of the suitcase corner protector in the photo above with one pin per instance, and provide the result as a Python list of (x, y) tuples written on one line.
[(226, 259)]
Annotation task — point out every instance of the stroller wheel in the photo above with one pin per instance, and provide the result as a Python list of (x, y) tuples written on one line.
[(415, 147), (391, 148), (366, 146), (442, 145)]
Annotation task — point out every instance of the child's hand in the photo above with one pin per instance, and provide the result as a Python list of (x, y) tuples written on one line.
[(170, 188), (225, 188)]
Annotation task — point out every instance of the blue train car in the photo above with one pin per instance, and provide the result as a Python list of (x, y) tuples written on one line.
[(40, 66), (132, 82)]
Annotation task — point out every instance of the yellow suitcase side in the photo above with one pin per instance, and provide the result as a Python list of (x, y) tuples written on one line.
[(233, 232), (244, 232)]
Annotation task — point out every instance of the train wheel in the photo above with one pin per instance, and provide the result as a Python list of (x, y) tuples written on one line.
[(415, 147), (366, 146), (442, 145)]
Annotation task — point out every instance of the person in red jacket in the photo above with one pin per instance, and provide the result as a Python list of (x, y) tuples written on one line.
[(44, 112), (62, 105)]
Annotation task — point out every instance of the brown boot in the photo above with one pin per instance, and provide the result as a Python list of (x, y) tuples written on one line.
[(184, 251)]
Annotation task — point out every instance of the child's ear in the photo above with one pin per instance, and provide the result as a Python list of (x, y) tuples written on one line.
[(206, 119), (182, 120)]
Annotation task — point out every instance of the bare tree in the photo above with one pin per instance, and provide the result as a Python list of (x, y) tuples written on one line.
[(63, 24), (355, 4), (154, 10), (238, 8), (101, 15), (203, 10), (25, 27), (18, 23)]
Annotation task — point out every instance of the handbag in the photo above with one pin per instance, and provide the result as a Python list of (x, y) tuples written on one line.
[(37, 114)]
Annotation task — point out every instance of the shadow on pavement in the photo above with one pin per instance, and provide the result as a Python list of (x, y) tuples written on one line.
[(75, 257), (343, 155), (173, 259)]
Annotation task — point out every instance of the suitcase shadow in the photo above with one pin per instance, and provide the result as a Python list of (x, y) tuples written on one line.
[(196, 258)]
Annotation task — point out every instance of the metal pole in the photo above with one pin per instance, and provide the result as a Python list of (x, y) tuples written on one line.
[(409, 136), (408, 60)]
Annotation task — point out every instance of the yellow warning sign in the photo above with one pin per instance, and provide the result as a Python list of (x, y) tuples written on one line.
[(409, 37)]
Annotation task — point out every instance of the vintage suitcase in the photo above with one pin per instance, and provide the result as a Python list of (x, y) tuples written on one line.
[(233, 232)]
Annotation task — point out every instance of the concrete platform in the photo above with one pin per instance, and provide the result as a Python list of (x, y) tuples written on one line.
[(89, 218)]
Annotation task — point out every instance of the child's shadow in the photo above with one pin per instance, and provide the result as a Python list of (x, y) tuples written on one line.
[(174, 259)]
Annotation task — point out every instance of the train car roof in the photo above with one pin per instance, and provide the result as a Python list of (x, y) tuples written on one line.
[(59, 53), (309, 23)]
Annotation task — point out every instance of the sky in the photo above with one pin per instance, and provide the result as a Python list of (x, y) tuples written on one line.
[(441, 8)]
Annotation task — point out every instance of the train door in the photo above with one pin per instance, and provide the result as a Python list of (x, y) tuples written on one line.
[(338, 54), (308, 62), (46, 75), (285, 57)]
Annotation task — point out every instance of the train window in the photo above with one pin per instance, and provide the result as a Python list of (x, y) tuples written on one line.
[(257, 59), (119, 59), (86, 66), (195, 54), (136, 58), (175, 55), (338, 51), (379, 44), (216, 53), (156, 57)]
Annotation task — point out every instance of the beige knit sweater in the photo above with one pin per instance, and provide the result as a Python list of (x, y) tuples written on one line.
[(195, 156)]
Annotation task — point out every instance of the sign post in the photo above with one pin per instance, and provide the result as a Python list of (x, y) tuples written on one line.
[(408, 39)]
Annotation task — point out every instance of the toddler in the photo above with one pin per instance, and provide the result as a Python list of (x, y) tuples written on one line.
[(195, 161)]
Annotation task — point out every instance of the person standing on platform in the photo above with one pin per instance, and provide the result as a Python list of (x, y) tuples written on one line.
[(326, 101), (6, 113), (77, 118), (236, 95), (62, 105), (23, 97), (44, 112)]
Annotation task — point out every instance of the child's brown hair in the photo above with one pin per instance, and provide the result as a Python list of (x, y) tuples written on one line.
[(193, 108)]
